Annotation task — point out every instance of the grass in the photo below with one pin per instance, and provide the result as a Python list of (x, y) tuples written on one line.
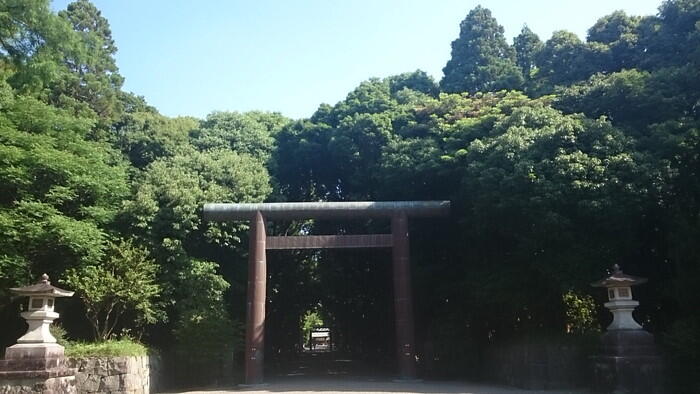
[(111, 348)]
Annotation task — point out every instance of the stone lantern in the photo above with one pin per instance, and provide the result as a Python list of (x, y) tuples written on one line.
[(37, 363), (628, 361), (38, 341), (621, 304)]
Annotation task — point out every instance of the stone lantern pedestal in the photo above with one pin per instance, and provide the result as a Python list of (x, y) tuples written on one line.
[(628, 361), (36, 364)]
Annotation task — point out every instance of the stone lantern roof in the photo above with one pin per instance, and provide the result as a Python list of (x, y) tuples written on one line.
[(619, 279), (42, 288)]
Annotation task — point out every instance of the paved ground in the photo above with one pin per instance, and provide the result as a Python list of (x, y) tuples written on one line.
[(321, 386), (321, 373)]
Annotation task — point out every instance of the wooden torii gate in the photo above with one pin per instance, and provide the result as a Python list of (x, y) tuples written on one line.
[(397, 211)]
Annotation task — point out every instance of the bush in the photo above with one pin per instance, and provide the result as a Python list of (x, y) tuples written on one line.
[(205, 335), (59, 333), (124, 282), (109, 348)]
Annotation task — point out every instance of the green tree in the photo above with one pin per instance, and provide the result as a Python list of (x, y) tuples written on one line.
[(60, 192), (619, 33), (563, 59), (145, 136), (24, 29), (481, 59), (251, 132), (310, 321), (94, 77), (32, 42), (206, 336), (166, 207), (418, 80), (165, 213), (610, 28), (672, 37), (527, 45), (125, 281)]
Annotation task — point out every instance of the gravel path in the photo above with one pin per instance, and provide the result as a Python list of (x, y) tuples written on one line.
[(321, 386)]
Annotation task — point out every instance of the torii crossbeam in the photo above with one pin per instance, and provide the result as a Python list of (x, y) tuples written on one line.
[(398, 240)]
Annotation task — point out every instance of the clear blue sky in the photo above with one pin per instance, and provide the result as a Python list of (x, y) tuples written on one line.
[(192, 57)]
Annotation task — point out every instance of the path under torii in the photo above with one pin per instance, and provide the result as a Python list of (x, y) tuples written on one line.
[(397, 211)]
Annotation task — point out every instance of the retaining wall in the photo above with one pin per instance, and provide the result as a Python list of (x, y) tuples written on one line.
[(64, 384), (537, 365), (132, 375)]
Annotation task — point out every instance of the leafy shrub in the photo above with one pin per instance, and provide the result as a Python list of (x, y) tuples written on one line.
[(124, 281), (112, 348), (59, 333), (580, 311)]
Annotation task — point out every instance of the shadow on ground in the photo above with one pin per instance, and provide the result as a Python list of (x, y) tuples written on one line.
[(330, 373)]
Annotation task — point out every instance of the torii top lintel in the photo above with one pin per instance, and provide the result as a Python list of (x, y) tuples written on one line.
[(326, 210)]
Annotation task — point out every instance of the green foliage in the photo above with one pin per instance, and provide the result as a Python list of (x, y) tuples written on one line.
[(29, 34), (580, 310), (204, 331), (93, 76), (527, 47), (251, 133), (563, 59), (125, 281), (610, 28), (418, 81), (58, 332), (206, 336), (59, 190), (672, 37), (166, 207), (481, 59), (111, 348), (310, 321), (145, 136)]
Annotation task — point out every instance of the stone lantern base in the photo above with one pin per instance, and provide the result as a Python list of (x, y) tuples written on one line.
[(36, 368), (628, 363)]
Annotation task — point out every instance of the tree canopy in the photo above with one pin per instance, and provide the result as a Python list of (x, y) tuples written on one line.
[(481, 58)]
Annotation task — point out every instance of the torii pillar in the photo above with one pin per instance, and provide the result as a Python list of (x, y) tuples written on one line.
[(403, 302), (255, 311)]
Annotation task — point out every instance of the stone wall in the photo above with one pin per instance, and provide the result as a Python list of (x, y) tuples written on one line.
[(133, 375), (64, 384), (28, 371), (537, 365)]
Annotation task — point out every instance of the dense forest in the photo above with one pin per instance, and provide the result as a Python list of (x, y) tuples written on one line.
[(561, 157)]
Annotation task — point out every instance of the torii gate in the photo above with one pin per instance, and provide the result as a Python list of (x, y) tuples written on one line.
[(398, 240)]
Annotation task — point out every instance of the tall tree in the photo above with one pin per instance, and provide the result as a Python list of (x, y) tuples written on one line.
[(619, 33), (610, 28), (527, 45), (32, 42), (563, 59), (23, 28), (250, 132), (418, 80), (481, 58), (94, 77), (673, 36), (59, 192)]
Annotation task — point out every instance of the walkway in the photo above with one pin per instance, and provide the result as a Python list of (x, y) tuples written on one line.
[(329, 385), (326, 373)]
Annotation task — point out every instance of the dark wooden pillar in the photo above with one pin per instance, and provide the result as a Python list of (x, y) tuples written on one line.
[(403, 303), (255, 313)]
